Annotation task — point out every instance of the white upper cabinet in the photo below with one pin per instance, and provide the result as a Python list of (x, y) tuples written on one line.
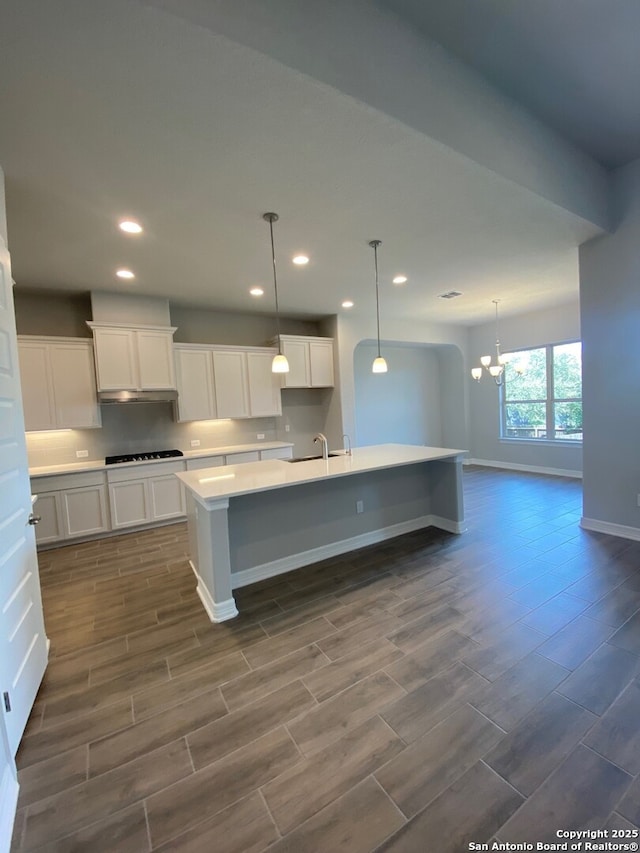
[(133, 359), (321, 363), (264, 386), (194, 377), (231, 383), (297, 353), (155, 359), (310, 362), (226, 382), (58, 383)]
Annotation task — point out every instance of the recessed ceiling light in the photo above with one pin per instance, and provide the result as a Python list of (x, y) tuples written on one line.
[(256, 291), (125, 274), (347, 303), (130, 226), (400, 279), (301, 260)]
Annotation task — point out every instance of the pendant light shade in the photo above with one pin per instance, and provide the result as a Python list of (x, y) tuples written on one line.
[(279, 363), (379, 364)]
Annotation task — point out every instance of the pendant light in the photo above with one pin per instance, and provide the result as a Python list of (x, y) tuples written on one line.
[(279, 363), (495, 370), (379, 364)]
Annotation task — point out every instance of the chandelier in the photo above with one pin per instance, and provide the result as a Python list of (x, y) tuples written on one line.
[(496, 370)]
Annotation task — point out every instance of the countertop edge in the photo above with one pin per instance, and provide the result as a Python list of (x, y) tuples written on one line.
[(99, 465), (331, 469)]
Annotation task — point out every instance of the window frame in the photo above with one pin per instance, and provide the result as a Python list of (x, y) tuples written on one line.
[(549, 401)]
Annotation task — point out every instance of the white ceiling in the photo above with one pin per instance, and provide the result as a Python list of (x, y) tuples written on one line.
[(573, 63), (114, 109)]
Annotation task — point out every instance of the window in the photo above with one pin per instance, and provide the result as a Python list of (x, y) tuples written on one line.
[(542, 394)]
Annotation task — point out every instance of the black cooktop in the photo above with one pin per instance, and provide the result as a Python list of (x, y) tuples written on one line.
[(143, 457)]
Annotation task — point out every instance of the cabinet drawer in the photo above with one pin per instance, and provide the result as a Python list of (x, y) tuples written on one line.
[(144, 470), (277, 453), (60, 482), (205, 462), (247, 456)]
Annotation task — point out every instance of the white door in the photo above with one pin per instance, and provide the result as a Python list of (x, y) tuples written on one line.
[(23, 643)]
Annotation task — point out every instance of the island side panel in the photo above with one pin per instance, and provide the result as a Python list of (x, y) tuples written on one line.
[(447, 504), (208, 530), (272, 532)]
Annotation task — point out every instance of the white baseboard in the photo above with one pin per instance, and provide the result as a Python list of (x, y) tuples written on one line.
[(530, 469), (334, 549), (623, 530), (216, 611), (8, 802)]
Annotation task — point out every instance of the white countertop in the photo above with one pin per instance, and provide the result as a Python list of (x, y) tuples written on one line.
[(210, 484), (99, 464)]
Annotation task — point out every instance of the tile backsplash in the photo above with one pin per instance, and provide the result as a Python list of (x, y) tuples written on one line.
[(140, 427)]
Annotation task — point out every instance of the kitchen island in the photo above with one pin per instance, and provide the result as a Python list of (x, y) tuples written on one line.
[(253, 521)]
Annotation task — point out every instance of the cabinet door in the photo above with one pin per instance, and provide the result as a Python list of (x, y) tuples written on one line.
[(129, 503), (321, 362), (85, 511), (194, 375), (155, 359), (74, 385), (37, 395), (230, 380), (264, 386), (166, 497), (116, 366), (49, 508), (297, 353)]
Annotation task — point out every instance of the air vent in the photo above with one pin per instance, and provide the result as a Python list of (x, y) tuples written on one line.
[(450, 294)]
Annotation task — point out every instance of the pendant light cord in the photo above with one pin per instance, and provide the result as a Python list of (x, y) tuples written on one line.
[(375, 243), (271, 218)]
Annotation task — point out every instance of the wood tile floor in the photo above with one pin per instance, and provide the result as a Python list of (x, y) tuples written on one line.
[(413, 696)]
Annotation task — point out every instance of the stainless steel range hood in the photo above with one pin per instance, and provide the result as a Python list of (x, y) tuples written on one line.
[(168, 396)]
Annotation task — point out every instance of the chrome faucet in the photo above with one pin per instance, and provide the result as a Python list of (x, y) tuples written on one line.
[(347, 444), (325, 444)]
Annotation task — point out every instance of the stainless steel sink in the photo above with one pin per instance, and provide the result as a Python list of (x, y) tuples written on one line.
[(310, 458)]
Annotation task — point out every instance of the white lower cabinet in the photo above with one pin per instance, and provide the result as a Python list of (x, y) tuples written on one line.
[(49, 508), (166, 496), (86, 504), (70, 506), (129, 503), (144, 494)]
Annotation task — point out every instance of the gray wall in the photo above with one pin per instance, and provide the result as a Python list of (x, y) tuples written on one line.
[(551, 326), (3, 211), (402, 406), (41, 312), (610, 311), (205, 326), (419, 401)]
